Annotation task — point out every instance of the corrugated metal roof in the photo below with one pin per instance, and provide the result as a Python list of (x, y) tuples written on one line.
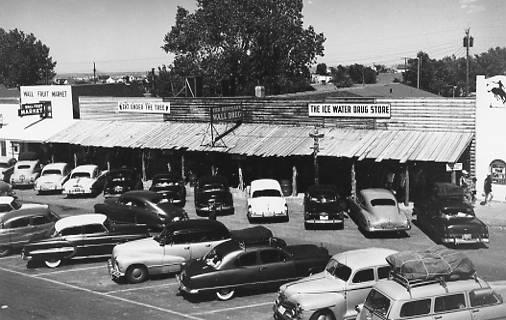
[(32, 129), (270, 140)]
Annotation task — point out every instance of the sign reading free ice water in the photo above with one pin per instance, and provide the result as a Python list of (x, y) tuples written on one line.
[(144, 107)]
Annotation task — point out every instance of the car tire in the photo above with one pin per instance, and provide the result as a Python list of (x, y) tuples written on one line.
[(307, 226), (4, 251), (54, 263), (225, 294), (136, 274), (322, 315)]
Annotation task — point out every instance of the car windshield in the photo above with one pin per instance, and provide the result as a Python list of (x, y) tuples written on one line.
[(213, 259), (212, 187), (266, 193), (51, 171), (377, 302), (383, 202), (80, 175), (338, 270)]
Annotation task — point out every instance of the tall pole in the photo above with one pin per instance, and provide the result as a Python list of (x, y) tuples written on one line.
[(94, 73), (468, 42), (418, 74), (316, 148)]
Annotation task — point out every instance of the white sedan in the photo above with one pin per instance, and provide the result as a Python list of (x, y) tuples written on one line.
[(266, 201), (85, 180), (52, 177)]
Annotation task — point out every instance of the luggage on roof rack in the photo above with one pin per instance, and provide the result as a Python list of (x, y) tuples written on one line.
[(437, 263)]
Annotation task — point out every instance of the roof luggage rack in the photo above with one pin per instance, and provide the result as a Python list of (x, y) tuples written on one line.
[(412, 283)]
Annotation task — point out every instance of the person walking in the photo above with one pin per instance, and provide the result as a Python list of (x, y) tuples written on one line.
[(487, 189)]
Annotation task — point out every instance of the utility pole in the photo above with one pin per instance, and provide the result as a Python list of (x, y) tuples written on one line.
[(418, 73), (405, 67), (94, 73), (316, 148), (468, 42)]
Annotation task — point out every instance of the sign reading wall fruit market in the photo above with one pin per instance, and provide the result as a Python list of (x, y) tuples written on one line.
[(51, 101), (42, 108), (143, 107), (226, 113), (350, 110)]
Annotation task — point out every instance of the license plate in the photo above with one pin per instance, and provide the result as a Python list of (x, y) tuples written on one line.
[(466, 236), (324, 217), (281, 309), (77, 190)]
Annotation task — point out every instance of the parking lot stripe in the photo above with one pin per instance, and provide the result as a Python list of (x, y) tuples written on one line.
[(233, 308), (9, 257), (104, 295), (69, 270), (142, 288)]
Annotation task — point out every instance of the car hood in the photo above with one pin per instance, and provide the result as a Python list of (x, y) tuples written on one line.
[(136, 247), (266, 204), (85, 182), (317, 283), (51, 178)]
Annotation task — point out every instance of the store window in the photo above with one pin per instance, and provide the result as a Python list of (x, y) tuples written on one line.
[(3, 148), (498, 171)]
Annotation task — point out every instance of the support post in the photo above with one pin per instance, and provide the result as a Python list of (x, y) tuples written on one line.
[(406, 187), (75, 159), (183, 176), (294, 181), (353, 181), (143, 162)]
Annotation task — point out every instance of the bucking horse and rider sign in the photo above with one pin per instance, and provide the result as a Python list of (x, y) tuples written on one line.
[(497, 91)]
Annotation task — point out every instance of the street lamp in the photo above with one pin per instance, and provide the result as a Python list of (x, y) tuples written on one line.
[(316, 148)]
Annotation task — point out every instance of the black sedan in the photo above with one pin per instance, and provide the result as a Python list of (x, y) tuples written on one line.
[(213, 196), (119, 181), (142, 207), (81, 236), (323, 206), (171, 187), (232, 265), (445, 214)]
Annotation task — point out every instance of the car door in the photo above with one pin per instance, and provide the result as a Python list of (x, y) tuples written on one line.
[(18, 230), (123, 210), (247, 269), (485, 304), (41, 224), (358, 287), (275, 266), (95, 241), (451, 307), (176, 251)]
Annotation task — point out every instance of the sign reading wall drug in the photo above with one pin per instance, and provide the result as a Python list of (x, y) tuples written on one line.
[(350, 110), (143, 107), (226, 113)]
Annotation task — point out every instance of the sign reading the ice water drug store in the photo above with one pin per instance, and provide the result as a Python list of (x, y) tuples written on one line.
[(144, 107), (350, 110)]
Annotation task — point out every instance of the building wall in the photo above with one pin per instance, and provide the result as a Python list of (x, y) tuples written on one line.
[(105, 108), (9, 113), (490, 132)]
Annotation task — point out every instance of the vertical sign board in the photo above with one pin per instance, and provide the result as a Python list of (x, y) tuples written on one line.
[(58, 97)]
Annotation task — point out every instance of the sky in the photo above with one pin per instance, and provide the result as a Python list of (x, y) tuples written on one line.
[(127, 35)]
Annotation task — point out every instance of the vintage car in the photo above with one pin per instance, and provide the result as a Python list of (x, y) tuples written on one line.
[(376, 210), (118, 181), (171, 187), (212, 195), (143, 207), (52, 177), (232, 265), (334, 292), (81, 236), (174, 247), (323, 206), (266, 201), (85, 180), (23, 223), (446, 216), (25, 173)]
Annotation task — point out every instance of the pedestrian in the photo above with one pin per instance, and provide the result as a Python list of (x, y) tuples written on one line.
[(487, 189), (465, 183)]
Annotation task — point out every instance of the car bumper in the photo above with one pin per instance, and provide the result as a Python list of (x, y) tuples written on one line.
[(219, 209), (267, 214), (328, 220), (388, 229), (48, 187), (281, 312), (22, 183), (184, 288), (113, 269), (75, 191), (464, 241)]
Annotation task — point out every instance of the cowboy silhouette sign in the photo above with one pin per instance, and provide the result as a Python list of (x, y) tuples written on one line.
[(498, 91)]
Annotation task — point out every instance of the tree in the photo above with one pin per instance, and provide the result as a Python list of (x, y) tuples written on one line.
[(340, 77), (244, 43), (321, 68), (24, 60)]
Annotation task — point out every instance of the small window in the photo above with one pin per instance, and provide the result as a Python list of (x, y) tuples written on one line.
[(483, 297), (270, 256), (18, 223), (39, 220), (451, 302), (363, 276), (383, 272), (248, 259), (71, 231), (93, 228), (16, 204), (415, 308)]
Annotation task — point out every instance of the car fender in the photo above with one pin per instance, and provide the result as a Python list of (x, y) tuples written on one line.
[(60, 250), (333, 301)]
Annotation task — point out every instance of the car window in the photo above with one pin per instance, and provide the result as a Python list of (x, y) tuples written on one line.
[(271, 256), (383, 272), (450, 302), (51, 171), (38, 220), (377, 302), (18, 222), (266, 193), (16, 204), (182, 237), (71, 231), (363, 276), (4, 207), (483, 297), (382, 202), (217, 235), (93, 228), (24, 166), (76, 175), (338, 270), (248, 259), (415, 308), (138, 204)]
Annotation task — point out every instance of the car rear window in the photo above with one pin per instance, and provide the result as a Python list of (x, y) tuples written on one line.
[(382, 202), (266, 193), (80, 175), (51, 171), (23, 166)]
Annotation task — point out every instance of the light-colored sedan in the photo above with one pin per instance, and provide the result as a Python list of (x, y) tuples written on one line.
[(25, 173), (266, 201), (376, 210), (52, 177), (85, 180)]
